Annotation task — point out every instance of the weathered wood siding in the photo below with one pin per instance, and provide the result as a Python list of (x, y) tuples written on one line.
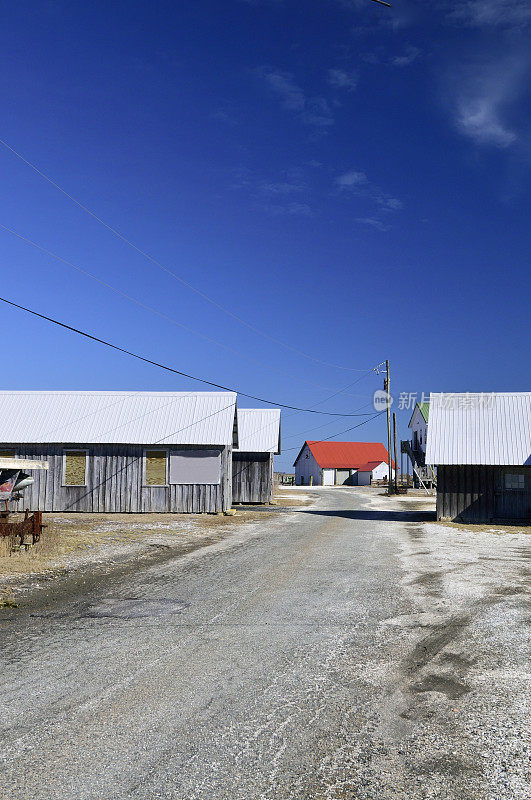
[(115, 482), (252, 477), (478, 494)]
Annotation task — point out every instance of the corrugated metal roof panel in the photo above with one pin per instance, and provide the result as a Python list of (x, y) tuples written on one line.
[(479, 428), (371, 465), (259, 430), (117, 417), (343, 455)]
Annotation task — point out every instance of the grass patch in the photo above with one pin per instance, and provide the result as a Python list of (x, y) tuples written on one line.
[(73, 539)]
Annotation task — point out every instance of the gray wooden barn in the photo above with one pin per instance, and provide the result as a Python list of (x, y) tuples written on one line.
[(481, 446), (252, 461), (123, 451)]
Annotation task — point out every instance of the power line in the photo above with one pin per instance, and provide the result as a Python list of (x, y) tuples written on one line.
[(319, 427), (339, 391), (169, 271), (154, 310), (344, 388), (171, 369), (294, 435), (340, 433)]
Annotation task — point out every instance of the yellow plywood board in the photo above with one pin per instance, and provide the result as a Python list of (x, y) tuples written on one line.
[(156, 462), (75, 468)]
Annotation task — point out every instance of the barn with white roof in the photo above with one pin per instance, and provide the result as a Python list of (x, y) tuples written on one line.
[(481, 446), (118, 451), (252, 461)]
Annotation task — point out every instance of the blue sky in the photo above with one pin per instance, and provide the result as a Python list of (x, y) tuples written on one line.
[(350, 179)]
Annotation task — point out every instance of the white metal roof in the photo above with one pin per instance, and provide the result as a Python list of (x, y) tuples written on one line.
[(38, 417), (485, 428), (259, 430)]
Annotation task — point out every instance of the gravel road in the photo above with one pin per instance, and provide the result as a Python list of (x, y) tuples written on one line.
[(349, 649)]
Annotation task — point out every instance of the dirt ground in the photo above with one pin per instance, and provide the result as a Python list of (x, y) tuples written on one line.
[(354, 647), (74, 541)]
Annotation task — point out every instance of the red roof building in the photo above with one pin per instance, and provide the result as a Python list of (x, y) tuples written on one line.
[(332, 463)]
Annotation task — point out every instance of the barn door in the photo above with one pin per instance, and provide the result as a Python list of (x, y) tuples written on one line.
[(342, 476)]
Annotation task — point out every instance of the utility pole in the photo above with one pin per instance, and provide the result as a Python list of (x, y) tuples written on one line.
[(389, 459), (394, 448)]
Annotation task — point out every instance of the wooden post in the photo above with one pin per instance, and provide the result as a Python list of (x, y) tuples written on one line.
[(394, 448), (389, 460)]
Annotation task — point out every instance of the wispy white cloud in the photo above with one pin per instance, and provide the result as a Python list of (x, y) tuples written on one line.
[(287, 196), (340, 79), (224, 115), (311, 110), (281, 188), (482, 97), (478, 118), (391, 203), (290, 209), (372, 18), (352, 178), (408, 57), (491, 13), (317, 112), (357, 183), (374, 222), (380, 56), (291, 95)]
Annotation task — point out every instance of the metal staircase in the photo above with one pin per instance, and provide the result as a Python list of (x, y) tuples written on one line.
[(424, 474)]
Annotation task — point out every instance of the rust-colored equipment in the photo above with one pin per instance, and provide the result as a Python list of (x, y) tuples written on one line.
[(31, 525)]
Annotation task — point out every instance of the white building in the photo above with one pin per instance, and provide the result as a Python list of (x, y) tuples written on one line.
[(341, 464), (419, 427)]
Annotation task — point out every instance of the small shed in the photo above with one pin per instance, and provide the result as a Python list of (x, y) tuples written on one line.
[(116, 451), (252, 461), (341, 463), (481, 446)]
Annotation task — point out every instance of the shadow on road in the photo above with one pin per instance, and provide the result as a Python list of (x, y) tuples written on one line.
[(375, 516)]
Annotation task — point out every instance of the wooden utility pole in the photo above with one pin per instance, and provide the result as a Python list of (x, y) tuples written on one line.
[(389, 459), (394, 450)]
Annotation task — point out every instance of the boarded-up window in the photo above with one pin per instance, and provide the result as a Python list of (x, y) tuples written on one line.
[(7, 454), (195, 466), (156, 467), (75, 467)]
